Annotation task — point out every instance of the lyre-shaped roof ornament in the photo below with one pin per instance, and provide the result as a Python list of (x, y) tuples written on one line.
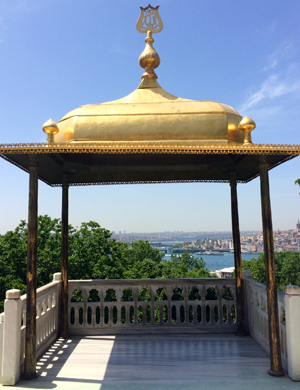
[(149, 22)]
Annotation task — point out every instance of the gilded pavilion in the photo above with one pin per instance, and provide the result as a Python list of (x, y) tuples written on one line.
[(149, 136)]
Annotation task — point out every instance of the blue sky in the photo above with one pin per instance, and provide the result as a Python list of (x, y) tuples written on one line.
[(58, 55)]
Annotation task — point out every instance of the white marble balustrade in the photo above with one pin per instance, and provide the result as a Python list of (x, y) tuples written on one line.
[(46, 318), (147, 306), (47, 327), (152, 305), (257, 315)]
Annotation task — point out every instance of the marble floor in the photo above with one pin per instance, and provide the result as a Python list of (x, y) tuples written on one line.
[(156, 362)]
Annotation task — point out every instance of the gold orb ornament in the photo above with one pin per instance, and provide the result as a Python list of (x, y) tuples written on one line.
[(50, 128), (247, 125)]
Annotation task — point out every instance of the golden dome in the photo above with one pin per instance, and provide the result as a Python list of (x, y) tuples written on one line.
[(150, 113)]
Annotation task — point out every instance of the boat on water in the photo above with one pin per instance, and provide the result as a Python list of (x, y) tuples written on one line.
[(215, 253)]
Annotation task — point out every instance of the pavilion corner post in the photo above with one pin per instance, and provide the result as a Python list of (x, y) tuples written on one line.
[(240, 299), (30, 341), (272, 304), (64, 259)]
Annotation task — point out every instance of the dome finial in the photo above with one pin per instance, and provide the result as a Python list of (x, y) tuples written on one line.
[(50, 128), (247, 125), (148, 23)]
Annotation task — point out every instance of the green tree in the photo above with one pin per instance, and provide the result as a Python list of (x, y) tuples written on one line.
[(93, 254), (185, 265), (143, 261), (287, 268), (297, 182), (13, 255)]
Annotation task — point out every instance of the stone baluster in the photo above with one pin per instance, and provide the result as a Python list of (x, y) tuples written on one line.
[(39, 330), (203, 304), (152, 304), (212, 313), (220, 303), (110, 314), (144, 317), (52, 323), (195, 305), (185, 293), (49, 305), (85, 295), (127, 313), (169, 294), (229, 310), (161, 314), (45, 322), (119, 306), (76, 315), (101, 295), (135, 293), (93, 315), (38, 309)]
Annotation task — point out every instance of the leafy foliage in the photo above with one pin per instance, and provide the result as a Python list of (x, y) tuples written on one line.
[(287, 268), (185, 265), (297, 182), (93, 254)]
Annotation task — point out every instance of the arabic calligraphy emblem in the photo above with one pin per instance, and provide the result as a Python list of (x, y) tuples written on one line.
[(149, 20)]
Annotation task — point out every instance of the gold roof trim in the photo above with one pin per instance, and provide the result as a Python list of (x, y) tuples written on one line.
[(167, 147)]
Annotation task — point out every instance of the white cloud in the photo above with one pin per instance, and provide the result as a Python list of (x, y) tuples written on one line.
[(283, 77), (272, 63), (273, 87)]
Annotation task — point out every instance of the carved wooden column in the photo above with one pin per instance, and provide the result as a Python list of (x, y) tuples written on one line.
[(240, 301), (30, 342), (272, 304), (64, 259)]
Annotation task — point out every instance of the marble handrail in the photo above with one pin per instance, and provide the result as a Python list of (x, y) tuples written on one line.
[(151, 305), (257, 315), (14, 329)]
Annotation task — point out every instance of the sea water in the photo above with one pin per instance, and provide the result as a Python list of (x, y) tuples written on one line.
[(214, 262)]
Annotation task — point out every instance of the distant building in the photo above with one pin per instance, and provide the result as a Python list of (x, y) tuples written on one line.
[(298, 225), (225, 272)]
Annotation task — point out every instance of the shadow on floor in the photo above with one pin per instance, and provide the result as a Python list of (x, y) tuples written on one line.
[(156, 362)]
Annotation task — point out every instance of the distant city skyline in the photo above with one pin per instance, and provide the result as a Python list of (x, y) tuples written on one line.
[(57, 56)]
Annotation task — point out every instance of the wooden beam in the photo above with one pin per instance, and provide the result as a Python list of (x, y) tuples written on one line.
[(272, 304), (64, 259), (240, 299), (30, 342)]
